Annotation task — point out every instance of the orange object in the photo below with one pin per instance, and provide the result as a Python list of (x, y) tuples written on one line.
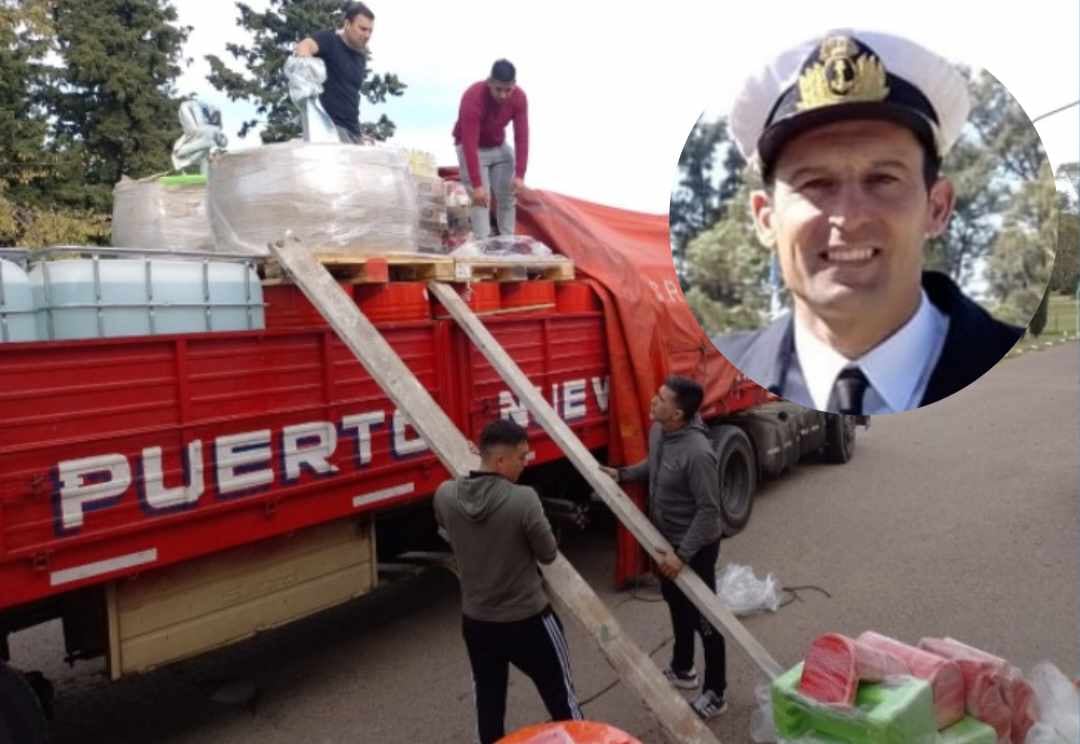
[(528, 294), (576, 297), (394, 301), (479, 296), (569, 732)]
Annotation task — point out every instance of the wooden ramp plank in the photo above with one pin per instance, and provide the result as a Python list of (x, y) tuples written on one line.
[(631, 663), (702, 596)]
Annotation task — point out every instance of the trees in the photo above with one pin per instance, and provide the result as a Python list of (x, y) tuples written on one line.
[(276, 31), (114, 98), (70, 130), (30, 170), (700, 197)]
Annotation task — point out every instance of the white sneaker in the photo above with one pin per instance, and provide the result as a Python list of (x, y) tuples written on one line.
[(709, 704), (684, 680)]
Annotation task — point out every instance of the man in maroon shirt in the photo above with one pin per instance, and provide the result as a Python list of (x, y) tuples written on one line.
[(489, 166)]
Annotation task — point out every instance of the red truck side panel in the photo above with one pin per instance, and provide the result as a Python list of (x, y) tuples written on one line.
[(124, 454)]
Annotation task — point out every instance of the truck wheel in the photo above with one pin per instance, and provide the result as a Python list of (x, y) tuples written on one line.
[(839, 438), (22, 719), (738, 476)]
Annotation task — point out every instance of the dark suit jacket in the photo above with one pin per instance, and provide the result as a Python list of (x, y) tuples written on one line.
[(974, 343)]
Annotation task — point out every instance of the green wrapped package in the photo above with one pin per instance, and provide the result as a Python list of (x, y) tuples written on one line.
[(968, 730), (897, 712)]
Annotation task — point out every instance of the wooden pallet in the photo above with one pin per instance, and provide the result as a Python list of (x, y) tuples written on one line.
[(557, 268), (405, 267), (376, 269)]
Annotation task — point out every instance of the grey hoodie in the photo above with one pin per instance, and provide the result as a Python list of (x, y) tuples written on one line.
[(498, 532), (684, 486)]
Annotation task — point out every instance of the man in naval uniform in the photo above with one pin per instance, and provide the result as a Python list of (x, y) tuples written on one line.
[(848, 131)]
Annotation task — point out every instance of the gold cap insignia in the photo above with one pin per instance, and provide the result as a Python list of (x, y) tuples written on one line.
[(842, 76)]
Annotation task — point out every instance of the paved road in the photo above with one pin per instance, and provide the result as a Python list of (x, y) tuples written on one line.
[(958, 520)]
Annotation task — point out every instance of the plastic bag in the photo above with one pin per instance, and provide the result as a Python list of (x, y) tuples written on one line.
[(743, 593), (503, 247), (1059, 707), (306, 76), (202, 133)]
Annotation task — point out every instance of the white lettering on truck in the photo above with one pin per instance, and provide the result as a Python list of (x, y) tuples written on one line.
[(244, 462)]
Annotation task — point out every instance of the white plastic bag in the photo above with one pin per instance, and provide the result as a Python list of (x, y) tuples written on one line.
[(1059, 707), (503, 247), (743, 593)]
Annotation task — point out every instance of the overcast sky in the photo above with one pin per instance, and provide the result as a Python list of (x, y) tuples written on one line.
[(614, 88)]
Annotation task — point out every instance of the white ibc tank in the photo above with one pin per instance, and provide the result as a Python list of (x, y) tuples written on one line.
[(349, 199), (17, 316), (88, 298)]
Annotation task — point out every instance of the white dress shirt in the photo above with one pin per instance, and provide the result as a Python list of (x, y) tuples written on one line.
[(898, 368)]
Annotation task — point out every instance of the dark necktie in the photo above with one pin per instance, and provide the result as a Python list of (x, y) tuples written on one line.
[(850, 387)]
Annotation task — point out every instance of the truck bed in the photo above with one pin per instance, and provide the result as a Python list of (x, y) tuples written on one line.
[(124, 454)]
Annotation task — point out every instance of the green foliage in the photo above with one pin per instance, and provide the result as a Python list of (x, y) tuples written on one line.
[(276, 32), (114, 98), (1022, 254), (701, 197), (728, 267)]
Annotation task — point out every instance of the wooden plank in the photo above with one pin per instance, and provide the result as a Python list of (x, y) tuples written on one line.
[(374, 269), (192, 607), (397, 381), (558, 268), (377, 357), (703, 597), (115, 663), (239, 622), (235, 577)]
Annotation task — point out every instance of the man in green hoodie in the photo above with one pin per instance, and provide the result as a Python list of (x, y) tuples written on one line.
[(498, 531), (684, 498)]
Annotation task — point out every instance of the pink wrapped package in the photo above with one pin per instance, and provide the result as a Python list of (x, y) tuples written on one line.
[(835, 664), (944, 675), (997, 693)]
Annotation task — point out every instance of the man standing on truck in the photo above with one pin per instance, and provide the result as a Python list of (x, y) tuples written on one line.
[(498, 531), (345, 53), (848, 132), (684, 504), (488, 166)]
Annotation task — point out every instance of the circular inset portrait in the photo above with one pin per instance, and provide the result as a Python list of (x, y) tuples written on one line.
[(868, 227)]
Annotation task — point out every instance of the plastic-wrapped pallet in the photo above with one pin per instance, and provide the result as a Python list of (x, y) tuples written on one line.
[(335, 198), (431, 208), (166, 213)]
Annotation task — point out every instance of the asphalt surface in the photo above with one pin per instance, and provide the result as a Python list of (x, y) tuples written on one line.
[(958, 520)]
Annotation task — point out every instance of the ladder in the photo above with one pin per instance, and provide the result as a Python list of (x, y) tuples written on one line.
[(450, 446)]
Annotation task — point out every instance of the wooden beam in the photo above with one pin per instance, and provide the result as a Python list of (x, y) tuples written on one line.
[(632, 664), (703, 597), (378, 358)]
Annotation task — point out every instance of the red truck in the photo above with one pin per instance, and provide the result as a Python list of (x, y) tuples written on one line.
[(166, 495)]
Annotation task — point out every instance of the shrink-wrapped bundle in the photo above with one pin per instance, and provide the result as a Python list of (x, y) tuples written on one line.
[(335, 198), (161, 213)]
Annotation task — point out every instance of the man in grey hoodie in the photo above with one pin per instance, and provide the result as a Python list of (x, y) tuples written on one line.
[(684, 498), (498, 531)]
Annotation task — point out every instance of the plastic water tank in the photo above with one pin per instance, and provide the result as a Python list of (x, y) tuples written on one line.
[(17, 311), (89, 298)]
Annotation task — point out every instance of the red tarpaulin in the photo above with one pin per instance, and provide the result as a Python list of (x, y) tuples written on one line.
[(651, 332)]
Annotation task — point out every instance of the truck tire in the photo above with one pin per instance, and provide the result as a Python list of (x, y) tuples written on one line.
[(839, 437), (738, 476), (22, 719)]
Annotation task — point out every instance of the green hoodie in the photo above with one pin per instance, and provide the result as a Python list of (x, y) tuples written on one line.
[(498, 532)]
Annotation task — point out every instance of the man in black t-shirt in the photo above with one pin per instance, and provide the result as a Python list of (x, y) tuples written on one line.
[(345, 53)]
